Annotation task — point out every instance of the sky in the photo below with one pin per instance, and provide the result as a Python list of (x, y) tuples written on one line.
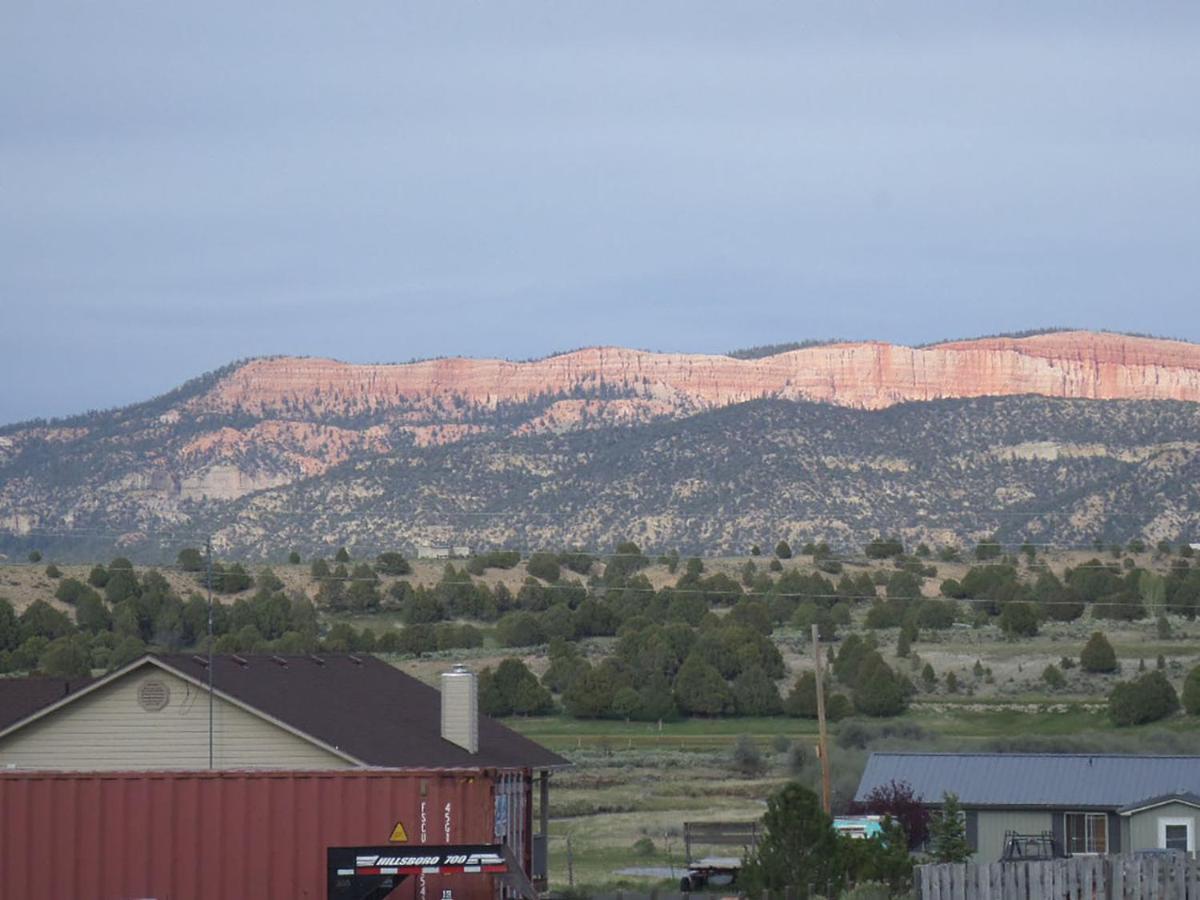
[(184, 185)]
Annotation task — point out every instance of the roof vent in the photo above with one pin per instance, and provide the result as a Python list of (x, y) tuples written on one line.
[(241, 661), (460, 708), (279, 661), (153, 695)]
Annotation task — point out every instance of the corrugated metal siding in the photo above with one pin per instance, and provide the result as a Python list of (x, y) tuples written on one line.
[(229, 835), (1143, 826), (109, 730), (1024, 779), (994, 823)]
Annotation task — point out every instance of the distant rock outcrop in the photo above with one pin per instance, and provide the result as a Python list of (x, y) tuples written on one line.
[(869, 375)]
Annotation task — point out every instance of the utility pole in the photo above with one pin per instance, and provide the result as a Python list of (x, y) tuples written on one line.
[(208, 583), (823, 747)]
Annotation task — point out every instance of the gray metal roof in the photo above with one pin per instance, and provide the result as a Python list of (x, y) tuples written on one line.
[(1034, 779), (1151, 802)]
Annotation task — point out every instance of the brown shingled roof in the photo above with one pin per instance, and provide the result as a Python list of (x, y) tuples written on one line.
[(21, 697), (363, 707)]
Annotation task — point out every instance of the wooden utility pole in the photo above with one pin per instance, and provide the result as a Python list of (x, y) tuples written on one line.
[(823, 747)]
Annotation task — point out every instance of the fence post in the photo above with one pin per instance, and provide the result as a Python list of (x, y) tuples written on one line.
[(1041, 888)]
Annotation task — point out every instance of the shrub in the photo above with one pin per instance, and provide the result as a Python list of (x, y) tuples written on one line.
[(52, 571), (700, 689), (392, 563), (949, 832), (40, 619), (1146, 699), (801, 702), (798, 846), (67, 657), (1019, 619), (543, 566), (747, 758), (783, 550), (755, 694), (1054, 677), (190, 559), (576, 560), (989, 549), (512, 688), (928, 676), (590, 693), (896, 799), (1098, 655), (883, 548), (643, 846), (879, 691), (520, 629)]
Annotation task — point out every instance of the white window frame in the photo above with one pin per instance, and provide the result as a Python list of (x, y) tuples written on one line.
[(1189, 821), (1086, 833)]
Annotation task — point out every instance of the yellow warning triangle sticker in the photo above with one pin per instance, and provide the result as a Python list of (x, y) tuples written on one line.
[(399, 835)]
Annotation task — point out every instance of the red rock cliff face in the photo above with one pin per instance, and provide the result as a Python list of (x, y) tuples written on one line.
[(864, 375)]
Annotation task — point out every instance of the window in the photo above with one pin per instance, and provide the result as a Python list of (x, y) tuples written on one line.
[(1176, 834), (1175, 837), (1087, 833)]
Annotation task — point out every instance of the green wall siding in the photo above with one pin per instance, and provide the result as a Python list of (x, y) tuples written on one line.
[(1143, 826), (994, 823)]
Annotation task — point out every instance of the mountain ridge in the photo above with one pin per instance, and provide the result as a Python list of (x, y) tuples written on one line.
[(269, 426)]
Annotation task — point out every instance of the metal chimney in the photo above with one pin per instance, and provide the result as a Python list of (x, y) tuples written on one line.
[(460, 708)]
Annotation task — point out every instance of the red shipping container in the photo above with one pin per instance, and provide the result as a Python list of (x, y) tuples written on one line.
[(228, 835)]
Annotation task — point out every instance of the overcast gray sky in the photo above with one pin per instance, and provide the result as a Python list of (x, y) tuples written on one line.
[(184, 184)]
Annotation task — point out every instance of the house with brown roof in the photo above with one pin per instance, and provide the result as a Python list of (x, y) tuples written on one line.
[(277, 712), (179, 713)]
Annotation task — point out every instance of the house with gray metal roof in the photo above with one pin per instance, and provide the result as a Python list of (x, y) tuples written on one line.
[(1091, 803)]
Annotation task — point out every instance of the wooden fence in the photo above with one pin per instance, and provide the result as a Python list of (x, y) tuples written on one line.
[(1078, 878)]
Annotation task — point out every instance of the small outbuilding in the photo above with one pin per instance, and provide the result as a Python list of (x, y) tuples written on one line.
[(1090, 803)]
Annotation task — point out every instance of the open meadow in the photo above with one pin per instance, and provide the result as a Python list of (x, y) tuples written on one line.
[(972, 680)]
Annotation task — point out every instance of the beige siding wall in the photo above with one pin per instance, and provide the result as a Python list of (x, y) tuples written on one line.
[(109, 730), (1143, 826), (994, 823)]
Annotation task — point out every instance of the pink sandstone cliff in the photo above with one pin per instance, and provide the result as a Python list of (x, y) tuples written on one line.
[(869, 375)]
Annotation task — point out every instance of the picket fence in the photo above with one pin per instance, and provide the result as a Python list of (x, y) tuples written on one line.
[(1077, 878)]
